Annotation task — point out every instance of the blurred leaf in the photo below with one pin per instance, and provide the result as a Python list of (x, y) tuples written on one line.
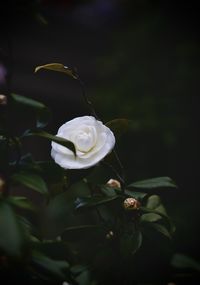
[(150, 217), (50, 171), (84, 278), (108, 191), (161, 229), (88, 202), (56, 268), (57, 67), (43, 117), (42, 112), (56, 139), (21, 202), (118, 126), (184, 261), (77, 269), (154, 203), (136, 195), (32, 181), (130, 243), (152, 183), (79, 232), (11, 234)]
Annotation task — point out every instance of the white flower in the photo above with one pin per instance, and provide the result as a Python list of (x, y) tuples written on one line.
[(92, 140)]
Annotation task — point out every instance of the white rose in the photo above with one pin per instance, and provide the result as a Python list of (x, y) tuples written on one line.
[(92, 140)]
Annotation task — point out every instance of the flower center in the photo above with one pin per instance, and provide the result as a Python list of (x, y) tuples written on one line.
[(85, 139)]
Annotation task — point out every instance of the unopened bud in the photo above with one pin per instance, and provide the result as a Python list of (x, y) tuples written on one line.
[(113, 183), (131, 204), (109, 235), (2, 184), (3, 99)]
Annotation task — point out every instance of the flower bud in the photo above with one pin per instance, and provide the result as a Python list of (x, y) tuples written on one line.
[(113, 183), (131, 204), (109, 235), (3, 99), (2, 185)]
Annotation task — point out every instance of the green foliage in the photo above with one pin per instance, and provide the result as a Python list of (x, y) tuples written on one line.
[(12, 236), (182, 261), (32, 181), (42, 112), (82, 227), (158, 182), (50, 137)]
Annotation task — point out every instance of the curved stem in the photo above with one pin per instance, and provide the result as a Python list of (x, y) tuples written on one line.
[(87, 101)]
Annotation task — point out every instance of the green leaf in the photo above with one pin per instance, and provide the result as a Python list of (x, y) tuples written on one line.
[(87, 202), (79, 232), (154, 203), (183, 261), (59, 67), (161, 229), (21, 202), (50, 137), (108, 191), (136, 195), (32, 181), (159, 182), (42, 112), (150, 217), (11, 234), (118, 126), (43, 117), (55, 268), (130, 243)]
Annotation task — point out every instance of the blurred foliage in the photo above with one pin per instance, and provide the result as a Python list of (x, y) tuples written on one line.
[(141, 61)]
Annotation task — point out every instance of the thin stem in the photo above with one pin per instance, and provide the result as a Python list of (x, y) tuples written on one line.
[(87, 101), (121, 180)]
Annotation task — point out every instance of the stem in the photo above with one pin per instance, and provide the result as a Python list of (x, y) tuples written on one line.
[(121, 180), (89, 103)]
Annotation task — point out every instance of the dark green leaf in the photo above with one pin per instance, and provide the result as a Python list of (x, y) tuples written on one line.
[(43, 117), (56, 268), (86, 202), (50, 137), (21, 202), (150, 218), (108, 191), (59, 67), (42, 112), (28, 102), (161, 229), (154, 203), (11, 234), (182, 261), (79, 232), (152, 183), (118, 126), (136, 195), (32, 181), (130, 243)]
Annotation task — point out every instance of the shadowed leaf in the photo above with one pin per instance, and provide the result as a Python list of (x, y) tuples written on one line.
[(59, 67), (158, 182), (32, 181), (50, 137)]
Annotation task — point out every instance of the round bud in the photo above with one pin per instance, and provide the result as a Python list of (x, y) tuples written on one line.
[(3, 99), (131, 204), (113, 183)]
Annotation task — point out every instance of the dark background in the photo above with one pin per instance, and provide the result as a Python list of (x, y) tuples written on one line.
[(139, 60)]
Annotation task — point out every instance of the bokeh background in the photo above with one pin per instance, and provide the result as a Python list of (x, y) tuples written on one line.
[(139, 60)]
